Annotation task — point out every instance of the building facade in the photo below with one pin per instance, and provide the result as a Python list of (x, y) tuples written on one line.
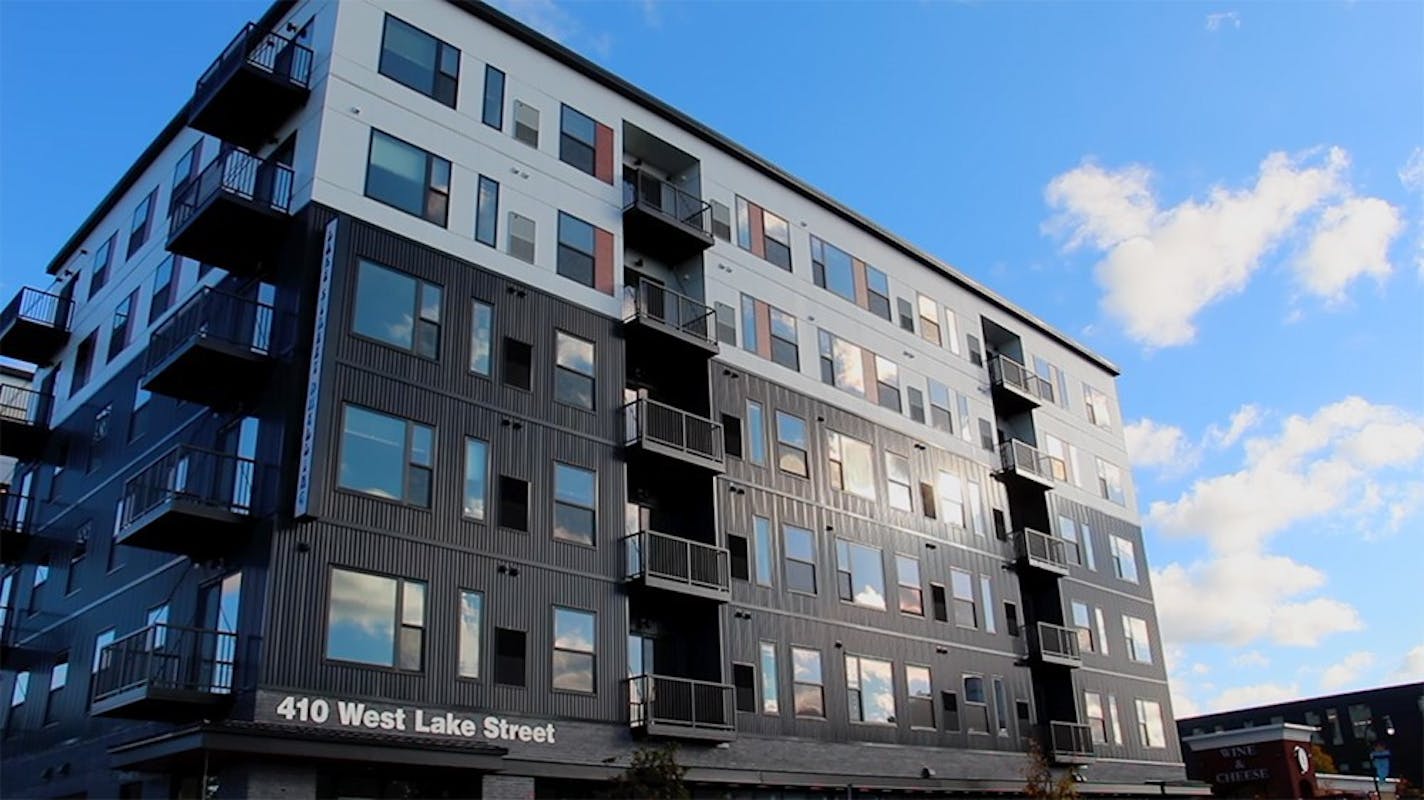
[(430, 412)]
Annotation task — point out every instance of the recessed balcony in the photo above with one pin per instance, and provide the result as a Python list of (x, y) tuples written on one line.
[(670, 324), (24, 422), (1015, 388), (656, 428), (1070, 743), (166, 673), (234, 214), (1040, 551), (1054, 644), (662, 220), (661, 706), (217, 350), (34, 327), (190, 501), (256, 84), (1022, 463), (673, 564)]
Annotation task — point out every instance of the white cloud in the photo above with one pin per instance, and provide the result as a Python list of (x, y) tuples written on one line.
[(1412, 173), (1251, 658), (1347, 671), (1350, 241), (1411, 667), (553, 19), (1220, 18), (1255, 695), (1244, 419), (1151, 444)]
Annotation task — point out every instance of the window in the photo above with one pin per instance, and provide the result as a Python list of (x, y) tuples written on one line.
[(476, 478), (184, 172), (526, 124), (739, 557), (397, 309), (939, 407), (406, 177), (1110, 482), (574, 649), (949, 701), (791, 444), (770, 333), (104, 639), (907, 575), (877, 290), (962, 403), (157, 620), (518, 364), (851, 465), (165, 280), (1001, 707), (1068, 532), (122, 326), (585, 145), (1011, 618), (103, 260), (487, 212), (906, 313), (929, 319), (833, 269), (1089, 559), (481, 337), (842, 363), (1139, 647), (83, 363), (573, 371), (374, 619), (916, 400), (763, 233), (756, 433), (965, 613), (976, 510), (509, 657), (761, 539), (721, 221), (585, 253), (1149, 723), (1097, 722), (800, 546), (1124, 558), (939, 603), (575, 504), (1099, 410), (493, 112), (870, 690), (19, 693), (98, 435), (887, 384), (784, 349), (386, 456), (986, 435), (1102, 640), (927, 500), (731, 436), (860, 575), (58, 677), (1116, 724), (977, 711), (513, 503), (414, 58), (986, 592), (521, 237), (140, 224), (808, 685), (1082, 621), (897, 478), (951, 498), (744, 681), (920, 690), (726, 317), (770, 683)]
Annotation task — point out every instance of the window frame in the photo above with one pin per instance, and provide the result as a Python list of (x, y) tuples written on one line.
[(568, 139), (1136, 648), (755, 432), (803, 451), (555, 650), (769, 680), (498, 108), (788, 559), (441, 47), (562, 247), (959, 601), (464, 630), (417, 315), (906, 486), (923, 700), (917, 587), (857, 690), (847, 574), (99, 275), (434, 197), (819, 684), (141, 228), (1124, 552), (574, 373), (482, 515), (398, 619), (481, 312), (838, 446), (487, 214), (575, 505), (409, 466)]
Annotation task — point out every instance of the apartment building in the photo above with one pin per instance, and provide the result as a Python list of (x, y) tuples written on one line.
[(429, 412)]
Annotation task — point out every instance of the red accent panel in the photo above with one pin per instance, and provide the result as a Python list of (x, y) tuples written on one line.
[(758, 231), (603, 261), (603, 153), (763, 316)]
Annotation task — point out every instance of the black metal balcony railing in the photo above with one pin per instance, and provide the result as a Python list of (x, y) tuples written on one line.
[(653, 303), (21, 405), (1018, 456), (263, 50), (1004, 371), (239, 174), (14, 511), (217, 316), (1041, 549), (661, 700), (650, 422), (1070, 740), (672, 558), (163, 658), (37, 307), (1056, 643), (193, 476), (648, 191)]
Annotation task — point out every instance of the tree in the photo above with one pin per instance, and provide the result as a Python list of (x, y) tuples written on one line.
[(1041, 782), (654, 773), (1321, 761)]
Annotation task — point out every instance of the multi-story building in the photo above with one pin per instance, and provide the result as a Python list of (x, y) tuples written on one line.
[(429, 411)]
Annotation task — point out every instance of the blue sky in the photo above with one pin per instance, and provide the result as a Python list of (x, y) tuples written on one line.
[(1225, 199)]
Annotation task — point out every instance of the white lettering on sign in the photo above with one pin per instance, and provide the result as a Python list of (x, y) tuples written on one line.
[(323, 306), (354, 714)]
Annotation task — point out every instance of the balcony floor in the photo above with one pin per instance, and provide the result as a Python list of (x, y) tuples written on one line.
[(149, 702), (247, 107), (682, 588), (672, 730), (647, 229), (210, 372), (34, 342), (21, 440), (185, 527), (652, 447), (232, 233)]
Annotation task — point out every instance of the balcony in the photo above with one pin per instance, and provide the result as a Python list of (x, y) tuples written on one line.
[(680, 708), (15, 532), (662, 317), (233, 214), (670, 563), (191, 502), (166, 673), (1021, 462), (19, 650), (1054, 644), (257, 83), (35, 326), (1070, 743), (1015, 388), (654, 427), (24, 422), (217, 350), (1038, 550), (662, 220)]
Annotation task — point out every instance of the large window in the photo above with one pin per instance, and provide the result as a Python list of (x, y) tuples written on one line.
[(1098, 407), (476, 478), (165, 283), (577, 249), (756, 433), (763, 233), (487, 212), (770, 680), (851, 465), (386, 456), (141, 223), (1139, 647), (920, 689), (897, 478), (965, 612), (374, 619), (860, 574), (481, 337), (870, 690), (912, 593), (1110, 482), (397, 309), (1097, 720), (842, 363), (573, 371), (808, 685), (416, 59), (761, 541), (493, 112), (838, 271), (406, 177), (574, 649), (951, 498), (1150, 730), (770, 333), (800, 545), (791, 444), (578, 140), (575, 504), (1124, 558), (122, 325), (472, 615)]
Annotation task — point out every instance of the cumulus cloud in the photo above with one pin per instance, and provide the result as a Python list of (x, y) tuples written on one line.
[(1219, 19), (1244, 419), (1259, 694), (1152, 444), (1251, 658), (1346, 671), (1161, 266), (1411, 667), (1412, 173)]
